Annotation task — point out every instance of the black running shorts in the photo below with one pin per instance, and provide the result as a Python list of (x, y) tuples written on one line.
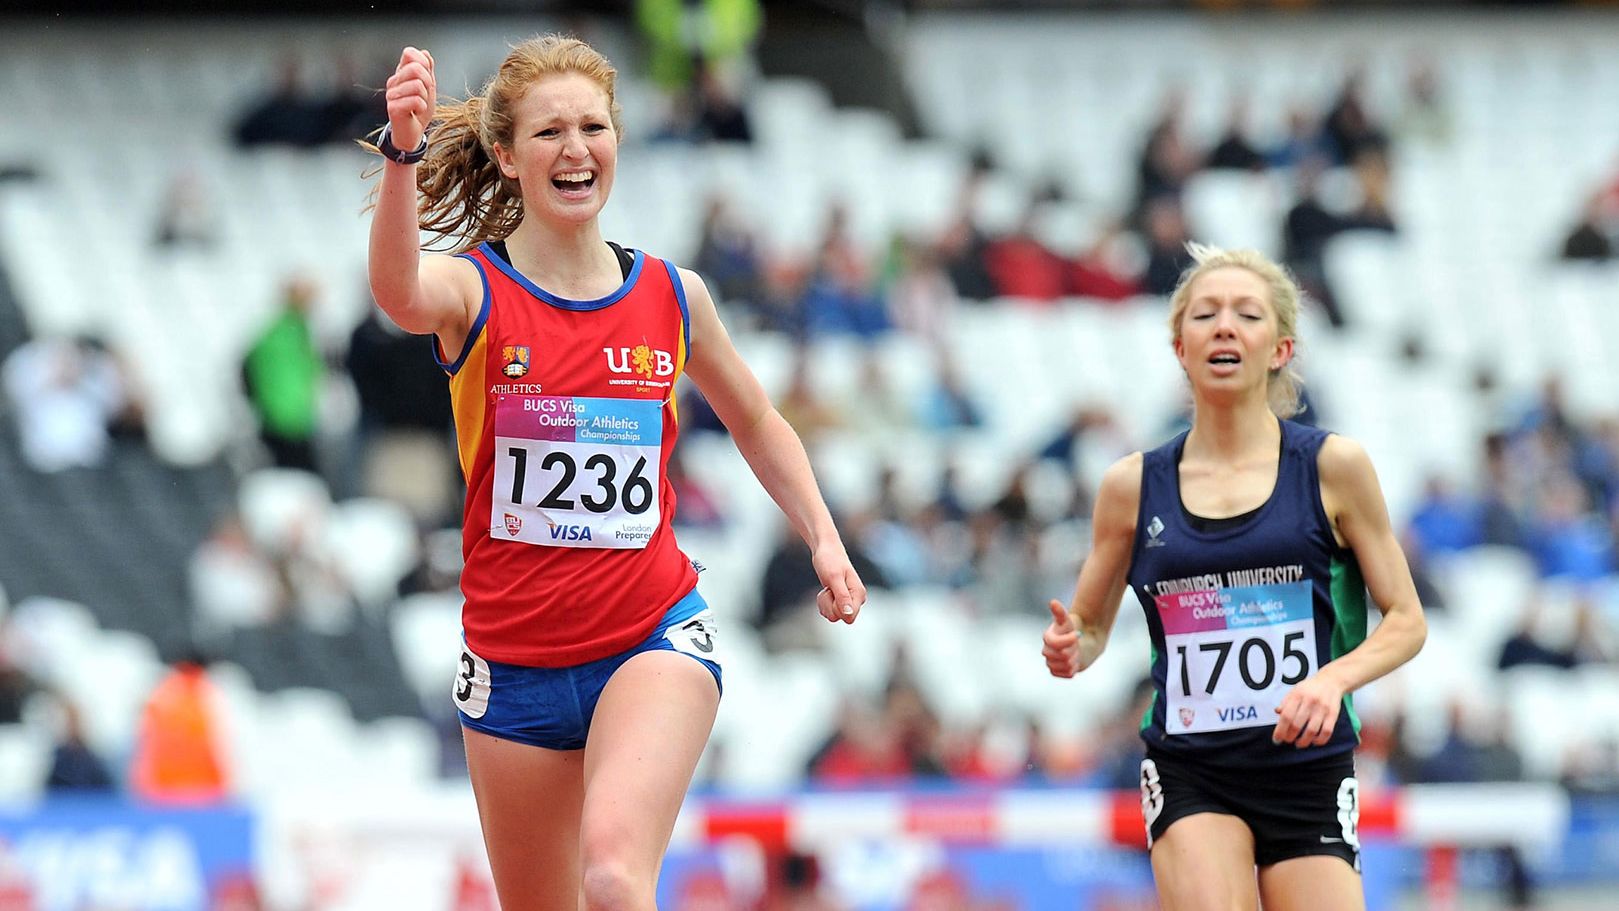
[(1309, 808)]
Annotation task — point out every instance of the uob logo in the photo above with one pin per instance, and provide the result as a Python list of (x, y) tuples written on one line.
[(648, 362)]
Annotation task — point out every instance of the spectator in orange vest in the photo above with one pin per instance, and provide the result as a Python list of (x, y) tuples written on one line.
[(179, 754)]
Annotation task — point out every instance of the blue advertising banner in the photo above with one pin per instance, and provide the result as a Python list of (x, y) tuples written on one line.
[(94, 853), (896, 875)]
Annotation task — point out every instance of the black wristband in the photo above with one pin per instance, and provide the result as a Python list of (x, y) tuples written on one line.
[(392, 152)]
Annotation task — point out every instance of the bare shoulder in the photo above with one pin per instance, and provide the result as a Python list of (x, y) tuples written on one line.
[(1124, 476), (695, 290), (452, 269), (708, 336), (1344, 462), (1119, 495), (454, 278), (1350, 492)]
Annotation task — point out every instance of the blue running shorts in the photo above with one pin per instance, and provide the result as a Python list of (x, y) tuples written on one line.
[(551, 707)]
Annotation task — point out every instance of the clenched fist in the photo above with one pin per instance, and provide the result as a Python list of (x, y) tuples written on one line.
[(412, 91)]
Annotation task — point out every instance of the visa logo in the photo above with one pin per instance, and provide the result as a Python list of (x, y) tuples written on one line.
[(570, 532), (1239, 713)]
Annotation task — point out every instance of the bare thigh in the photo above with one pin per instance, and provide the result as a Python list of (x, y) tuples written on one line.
[(1205, 862), (648, 731), (1315, 883), (529, 803)]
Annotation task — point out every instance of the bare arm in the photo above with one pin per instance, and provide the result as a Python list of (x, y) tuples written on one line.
[(1077, 635), (1354, 502), (435, 294), (771, 448)]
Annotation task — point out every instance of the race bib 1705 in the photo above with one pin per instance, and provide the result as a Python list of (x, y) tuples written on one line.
[(572, 471), (1234, 653)]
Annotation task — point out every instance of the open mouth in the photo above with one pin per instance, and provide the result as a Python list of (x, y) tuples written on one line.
[(1225, 360), (574, 181)]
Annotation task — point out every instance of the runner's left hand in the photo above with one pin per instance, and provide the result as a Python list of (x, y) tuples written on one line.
[(842, 593), (1309, 712)]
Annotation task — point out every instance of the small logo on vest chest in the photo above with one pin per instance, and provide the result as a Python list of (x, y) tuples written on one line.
[(515, 358), (1154, 529)]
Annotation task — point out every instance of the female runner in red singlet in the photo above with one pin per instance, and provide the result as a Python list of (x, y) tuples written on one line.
[(588, 682)]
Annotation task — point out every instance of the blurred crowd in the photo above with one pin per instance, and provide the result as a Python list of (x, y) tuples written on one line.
[(1550, 487), (913, 283), (178, 754)]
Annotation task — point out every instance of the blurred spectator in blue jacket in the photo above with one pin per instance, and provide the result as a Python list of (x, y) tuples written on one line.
[(895, 546), (1303, 143), (1445, 520), (75, 767), (1568, 539), (842, 296), (948, 404), (1500, 512), (1547, 414), (1084, 421), (727, 254), (1596, 462)]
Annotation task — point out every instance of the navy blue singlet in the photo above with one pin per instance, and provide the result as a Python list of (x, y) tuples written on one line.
[(1241, 610)]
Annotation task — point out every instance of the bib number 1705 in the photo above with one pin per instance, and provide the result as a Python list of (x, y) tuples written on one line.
[(1257, 663)]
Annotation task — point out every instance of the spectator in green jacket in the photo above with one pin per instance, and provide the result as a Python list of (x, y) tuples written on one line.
[(282, 373)]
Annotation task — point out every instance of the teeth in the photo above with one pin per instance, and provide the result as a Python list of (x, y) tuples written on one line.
[(575, 176)]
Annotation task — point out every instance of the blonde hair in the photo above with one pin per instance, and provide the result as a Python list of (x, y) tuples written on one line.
[(1284, 385), (463, 194)]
